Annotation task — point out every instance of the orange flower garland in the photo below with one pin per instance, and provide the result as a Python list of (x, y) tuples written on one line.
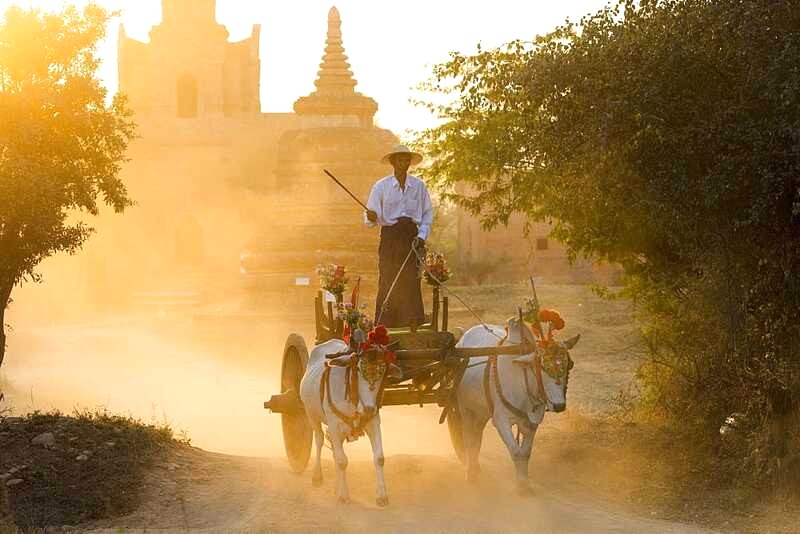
[(553, 320)]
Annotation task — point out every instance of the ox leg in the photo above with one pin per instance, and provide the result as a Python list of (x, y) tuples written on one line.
[(339, 457), (522, 460), (472, 429), (373, 430), (319, 441), (506, 431)]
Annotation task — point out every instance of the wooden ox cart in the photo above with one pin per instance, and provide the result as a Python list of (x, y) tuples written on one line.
[(432, 368)]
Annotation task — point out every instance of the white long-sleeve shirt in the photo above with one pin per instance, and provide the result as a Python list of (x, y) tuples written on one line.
[(391, 202)]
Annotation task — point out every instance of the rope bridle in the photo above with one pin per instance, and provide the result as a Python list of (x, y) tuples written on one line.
[(356, 422), (443, 285), (491, 376)]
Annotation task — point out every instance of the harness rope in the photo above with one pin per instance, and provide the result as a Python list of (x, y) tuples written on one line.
[(491, 368), (492, 361), (443, 285)]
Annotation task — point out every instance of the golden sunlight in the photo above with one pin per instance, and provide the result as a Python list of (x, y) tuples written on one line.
[(477, 287), (391, 47)]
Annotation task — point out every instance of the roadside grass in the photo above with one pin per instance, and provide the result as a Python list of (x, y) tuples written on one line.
[(663, 472), (65, 470)]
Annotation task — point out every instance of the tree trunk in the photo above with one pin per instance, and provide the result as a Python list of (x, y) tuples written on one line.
[(2, 338), (5, 295)]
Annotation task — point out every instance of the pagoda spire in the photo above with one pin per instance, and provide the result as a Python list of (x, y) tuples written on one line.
[(335, 93), (334, 71)]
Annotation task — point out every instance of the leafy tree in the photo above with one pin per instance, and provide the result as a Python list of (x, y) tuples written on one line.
[(663, 135), (61, 144)]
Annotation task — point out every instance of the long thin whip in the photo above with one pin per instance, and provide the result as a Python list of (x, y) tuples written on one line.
[(340, 184)]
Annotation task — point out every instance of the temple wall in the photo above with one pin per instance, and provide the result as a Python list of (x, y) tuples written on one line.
[(506, 255), (190, 59)]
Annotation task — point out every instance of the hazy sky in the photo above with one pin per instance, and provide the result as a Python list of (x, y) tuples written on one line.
[(391, 45)]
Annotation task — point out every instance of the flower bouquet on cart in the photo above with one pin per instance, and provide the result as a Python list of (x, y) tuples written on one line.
[(436, 270), (333, 279), (356, 323)]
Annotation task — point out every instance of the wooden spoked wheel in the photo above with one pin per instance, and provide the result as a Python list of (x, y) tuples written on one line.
[(455, 426), (297, 432)]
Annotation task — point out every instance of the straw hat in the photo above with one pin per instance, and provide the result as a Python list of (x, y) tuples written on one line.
[(416, 159)]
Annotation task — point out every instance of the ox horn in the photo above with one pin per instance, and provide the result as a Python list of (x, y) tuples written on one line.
[(571, 342)]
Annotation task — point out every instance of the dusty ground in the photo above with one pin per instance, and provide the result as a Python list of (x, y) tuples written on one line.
[(208, 374), (225, 493)]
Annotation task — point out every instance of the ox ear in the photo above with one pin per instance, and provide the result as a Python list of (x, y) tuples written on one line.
[(341, 361), (458, 333), (394, 372), (571, 342)]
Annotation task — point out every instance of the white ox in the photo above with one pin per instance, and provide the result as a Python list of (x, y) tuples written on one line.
[(511, 395), (332, 404)]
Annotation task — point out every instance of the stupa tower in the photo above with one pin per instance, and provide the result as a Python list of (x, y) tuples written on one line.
[(336, 94)]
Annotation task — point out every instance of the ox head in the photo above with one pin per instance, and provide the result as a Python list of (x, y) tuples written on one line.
[(552, 362), (369, 370)]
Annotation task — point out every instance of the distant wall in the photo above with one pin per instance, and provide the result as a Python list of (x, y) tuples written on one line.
[(506, 254)]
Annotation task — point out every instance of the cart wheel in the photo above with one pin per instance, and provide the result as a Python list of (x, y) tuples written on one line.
[(297, 432), (456, 433)]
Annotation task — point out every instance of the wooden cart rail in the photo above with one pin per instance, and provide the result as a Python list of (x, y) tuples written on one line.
[(329, 326), (464, 352), (289, 401)]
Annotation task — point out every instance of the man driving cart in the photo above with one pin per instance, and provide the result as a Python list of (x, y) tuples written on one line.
[(401, 205)]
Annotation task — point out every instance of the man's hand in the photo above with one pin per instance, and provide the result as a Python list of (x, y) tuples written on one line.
[(372, 216)]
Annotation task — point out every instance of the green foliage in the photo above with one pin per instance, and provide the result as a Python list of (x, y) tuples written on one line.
[(661, 135), (61, 144)]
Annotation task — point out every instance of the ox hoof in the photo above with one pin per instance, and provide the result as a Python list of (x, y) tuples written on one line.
[(316, 480), (382, 501), (343, 500)]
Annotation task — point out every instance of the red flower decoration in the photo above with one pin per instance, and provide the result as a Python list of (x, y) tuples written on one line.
[(381, 335), (390, 357), (377, 336), (346, 334)]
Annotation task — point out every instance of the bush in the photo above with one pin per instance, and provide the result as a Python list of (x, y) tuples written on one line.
[(662, 135)]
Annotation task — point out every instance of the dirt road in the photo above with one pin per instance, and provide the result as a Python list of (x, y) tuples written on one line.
[(200, 490), (211, 382)]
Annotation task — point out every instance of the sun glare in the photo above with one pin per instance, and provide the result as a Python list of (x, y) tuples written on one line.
[(391, 50)]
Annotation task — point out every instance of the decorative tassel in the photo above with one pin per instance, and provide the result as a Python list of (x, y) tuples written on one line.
[(353, 370)]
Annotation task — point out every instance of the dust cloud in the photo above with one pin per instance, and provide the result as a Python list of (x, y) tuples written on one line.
[(203, 359), (206, 381)]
